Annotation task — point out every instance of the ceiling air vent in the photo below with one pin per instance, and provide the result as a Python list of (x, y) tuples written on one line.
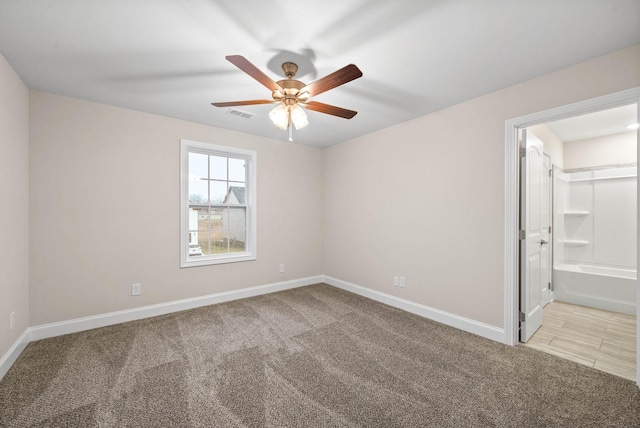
[(240, 113)]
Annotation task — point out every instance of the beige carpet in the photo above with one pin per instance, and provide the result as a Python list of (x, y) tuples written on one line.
[(310, 357)]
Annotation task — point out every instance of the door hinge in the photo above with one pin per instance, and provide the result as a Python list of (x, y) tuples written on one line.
[(523, 152), (522, 317), (521, 234), (549, 229), (550, 286), (550, 173)]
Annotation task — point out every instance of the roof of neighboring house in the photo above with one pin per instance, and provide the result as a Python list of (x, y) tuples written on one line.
[(235, 195)]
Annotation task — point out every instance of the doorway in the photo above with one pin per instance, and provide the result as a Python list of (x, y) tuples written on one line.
[(513, 193), (593, 319)]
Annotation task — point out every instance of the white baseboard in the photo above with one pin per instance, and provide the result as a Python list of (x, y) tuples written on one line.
[(87, 323), (111, 318), (14, 352), (466, 324)]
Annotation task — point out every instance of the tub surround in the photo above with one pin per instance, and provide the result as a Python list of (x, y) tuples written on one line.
[(594, 240)]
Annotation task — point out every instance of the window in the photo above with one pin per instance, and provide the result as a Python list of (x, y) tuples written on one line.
[(217, 196)]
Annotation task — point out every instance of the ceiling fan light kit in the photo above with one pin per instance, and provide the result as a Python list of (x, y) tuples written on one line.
[(280, 116), (292, 94), (298, 116)]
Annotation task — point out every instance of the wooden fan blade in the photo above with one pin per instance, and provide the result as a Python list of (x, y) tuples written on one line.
[(333, 80), (329, 109), (242, 103), (243, 64)]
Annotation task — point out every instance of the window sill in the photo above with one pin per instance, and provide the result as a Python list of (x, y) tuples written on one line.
[(217, 260)]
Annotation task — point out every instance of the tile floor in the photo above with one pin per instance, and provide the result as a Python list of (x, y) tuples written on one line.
[(593, 337)]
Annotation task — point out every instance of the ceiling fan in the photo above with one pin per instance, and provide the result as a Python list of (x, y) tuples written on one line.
[(291, 93)]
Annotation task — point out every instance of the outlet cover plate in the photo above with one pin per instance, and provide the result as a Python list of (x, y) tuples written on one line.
[(136, 289)]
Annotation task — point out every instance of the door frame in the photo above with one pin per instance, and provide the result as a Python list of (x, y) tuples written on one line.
[(549, 191), (512, 198)]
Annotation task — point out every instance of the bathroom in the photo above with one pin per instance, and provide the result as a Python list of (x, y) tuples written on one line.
[(592, 205), (594, 256)]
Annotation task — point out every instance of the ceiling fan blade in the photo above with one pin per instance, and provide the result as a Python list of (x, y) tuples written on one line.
[(329, 109), (333, 80), (242, 103), (243, 64)]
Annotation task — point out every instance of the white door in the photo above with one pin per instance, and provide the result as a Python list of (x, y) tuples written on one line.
[(545, 249), (531, 264)]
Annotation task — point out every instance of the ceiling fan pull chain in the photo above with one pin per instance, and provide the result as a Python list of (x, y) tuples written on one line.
[(291, 133)]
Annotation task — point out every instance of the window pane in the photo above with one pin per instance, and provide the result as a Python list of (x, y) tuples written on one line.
[(235, 232), (203, 242), (195, 248), (218, 167), (236, 194), (216, 217), (198, 191), (237, 245), (197, 166), (237, 170), (203, 219), (216, 231), (218, 192)]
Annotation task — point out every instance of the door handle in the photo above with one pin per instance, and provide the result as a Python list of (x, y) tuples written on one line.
[(542, 242)]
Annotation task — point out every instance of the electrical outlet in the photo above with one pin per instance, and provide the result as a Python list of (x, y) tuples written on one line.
[(12, 320), (136, 289), (282, 268), (395, 281), (402, 283)]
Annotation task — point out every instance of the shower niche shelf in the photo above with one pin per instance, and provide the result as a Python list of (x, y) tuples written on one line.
[(576, 213), (574, 242)]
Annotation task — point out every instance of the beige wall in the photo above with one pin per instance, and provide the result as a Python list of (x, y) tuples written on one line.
[(608, 150), (425, 199), (14, 205), (105, 210)]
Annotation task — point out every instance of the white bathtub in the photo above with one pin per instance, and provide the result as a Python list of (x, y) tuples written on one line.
[(607, 288)]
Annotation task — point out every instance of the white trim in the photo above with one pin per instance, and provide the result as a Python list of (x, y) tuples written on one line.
[(111, 318), (511, 234), (103, 320), (511, 191), (14, 352), (466, 324)]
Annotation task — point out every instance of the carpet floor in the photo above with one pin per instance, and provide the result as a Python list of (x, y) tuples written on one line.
[(314, 356)]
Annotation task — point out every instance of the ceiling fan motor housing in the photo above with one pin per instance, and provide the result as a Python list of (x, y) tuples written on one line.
[(290, 69), (291, 89)]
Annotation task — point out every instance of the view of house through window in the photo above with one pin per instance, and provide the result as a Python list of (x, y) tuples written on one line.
[(218, 208)]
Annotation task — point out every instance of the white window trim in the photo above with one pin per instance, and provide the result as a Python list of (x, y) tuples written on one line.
[(251, 248)]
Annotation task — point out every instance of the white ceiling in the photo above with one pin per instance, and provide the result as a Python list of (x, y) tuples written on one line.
[(167, 56), (598, 124)]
